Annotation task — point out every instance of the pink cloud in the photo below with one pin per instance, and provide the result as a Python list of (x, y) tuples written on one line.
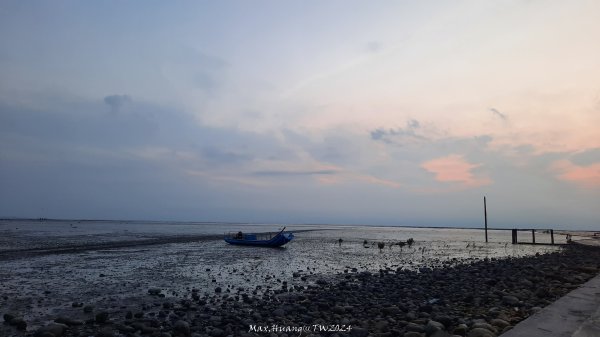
[(584, 176), (454, 168)]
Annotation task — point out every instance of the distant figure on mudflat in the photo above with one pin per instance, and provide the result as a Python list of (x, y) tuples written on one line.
[(340, 242)]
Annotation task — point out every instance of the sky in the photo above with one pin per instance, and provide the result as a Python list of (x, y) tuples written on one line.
[(346, 112)]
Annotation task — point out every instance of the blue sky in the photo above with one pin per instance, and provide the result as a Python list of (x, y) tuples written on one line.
[(385, 112)]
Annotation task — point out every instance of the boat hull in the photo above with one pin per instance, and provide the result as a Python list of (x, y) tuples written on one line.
[(276, 241)]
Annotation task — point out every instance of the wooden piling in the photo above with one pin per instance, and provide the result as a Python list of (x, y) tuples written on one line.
[(514, 236), (552, 236), (533, 235), (485, 216)]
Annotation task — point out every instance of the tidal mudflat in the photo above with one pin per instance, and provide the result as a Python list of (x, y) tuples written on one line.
[(158, 279)]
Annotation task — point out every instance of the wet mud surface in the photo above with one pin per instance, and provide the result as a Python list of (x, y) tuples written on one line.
[(139, 274)]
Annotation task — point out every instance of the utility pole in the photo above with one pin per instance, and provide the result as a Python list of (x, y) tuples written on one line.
[(485, 215)]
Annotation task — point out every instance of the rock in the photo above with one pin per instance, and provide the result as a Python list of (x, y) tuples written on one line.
[(19, 323), (181, 328), (480, 332), (534, 310), (154, 291), (143, 328), (446, 320), (359, 332), (413, 334), (338, 309), (102, 317), (460, 329), (216, 332), (510, 300), (433, 326), (382, 326), (8, 317), (88, 309), (484, 325), (54, 329), (105, 333), (68, 321), (392, 310), (499, 323), (414, 327), (440, 333), (218, 290), (125, 328)]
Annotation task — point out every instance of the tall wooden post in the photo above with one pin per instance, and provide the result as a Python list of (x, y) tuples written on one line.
[(533, 235), (485, 216), (552, 236)]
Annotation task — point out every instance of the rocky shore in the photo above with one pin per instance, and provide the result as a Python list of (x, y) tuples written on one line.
[(475, 299)]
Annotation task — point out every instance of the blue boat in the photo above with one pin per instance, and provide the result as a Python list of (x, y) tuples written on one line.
[(259, 239)]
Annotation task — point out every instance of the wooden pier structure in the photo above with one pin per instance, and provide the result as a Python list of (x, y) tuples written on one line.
[(515, 236)]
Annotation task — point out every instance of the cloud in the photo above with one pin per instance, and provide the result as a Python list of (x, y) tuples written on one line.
[(275, 173), (498, 114), (587, 176), (587, 157), (117, 101), (400, 135), (454, 168)]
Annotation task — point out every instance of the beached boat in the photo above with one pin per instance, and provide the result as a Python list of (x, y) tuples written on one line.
[(259, 239)]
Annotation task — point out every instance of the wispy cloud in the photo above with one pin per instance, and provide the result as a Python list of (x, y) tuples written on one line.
[(498, 114), (276, 173), (409, 133)]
